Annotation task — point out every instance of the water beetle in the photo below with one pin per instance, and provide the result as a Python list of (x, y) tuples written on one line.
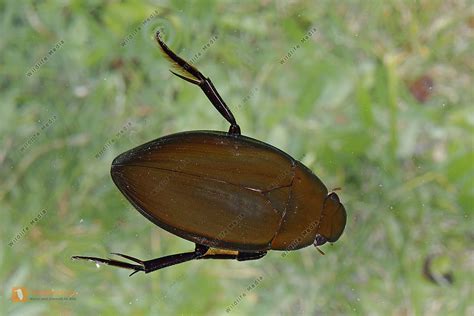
[(235, 197)]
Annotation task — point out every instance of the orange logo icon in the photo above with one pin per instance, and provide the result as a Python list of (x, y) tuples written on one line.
[(19, 294)]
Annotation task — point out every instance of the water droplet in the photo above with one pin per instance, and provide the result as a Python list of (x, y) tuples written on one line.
[(97, 265), (81, 221)]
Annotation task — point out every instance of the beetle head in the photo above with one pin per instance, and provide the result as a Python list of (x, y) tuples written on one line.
[(332, 221), (319, 240)]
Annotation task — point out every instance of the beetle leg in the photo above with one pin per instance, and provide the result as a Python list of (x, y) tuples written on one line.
[(163, 262), (244, 256), (127, 257), (185, 78), (194, 76), (239, 256), (149, 265), (115, 263)]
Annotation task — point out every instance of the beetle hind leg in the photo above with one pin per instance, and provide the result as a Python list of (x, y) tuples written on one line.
[(236, 255), (115, 263), (200, 252), (148, 265), (244, 256)]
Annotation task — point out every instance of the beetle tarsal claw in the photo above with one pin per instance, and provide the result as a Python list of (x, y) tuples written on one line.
[(93, 259), (127, 257), (116, 263)]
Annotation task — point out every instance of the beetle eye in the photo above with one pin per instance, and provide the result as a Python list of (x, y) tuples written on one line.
[(319, 240), (333, 196)]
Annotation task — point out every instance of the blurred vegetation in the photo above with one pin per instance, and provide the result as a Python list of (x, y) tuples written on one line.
[(378, 101)]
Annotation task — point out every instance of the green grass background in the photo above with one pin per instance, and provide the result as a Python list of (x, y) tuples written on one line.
[(340, 104)]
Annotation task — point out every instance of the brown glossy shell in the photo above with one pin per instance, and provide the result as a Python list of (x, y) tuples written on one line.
[(228, 192)]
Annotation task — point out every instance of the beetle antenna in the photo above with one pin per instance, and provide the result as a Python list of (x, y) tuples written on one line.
[(320, 251), (190, 73)]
